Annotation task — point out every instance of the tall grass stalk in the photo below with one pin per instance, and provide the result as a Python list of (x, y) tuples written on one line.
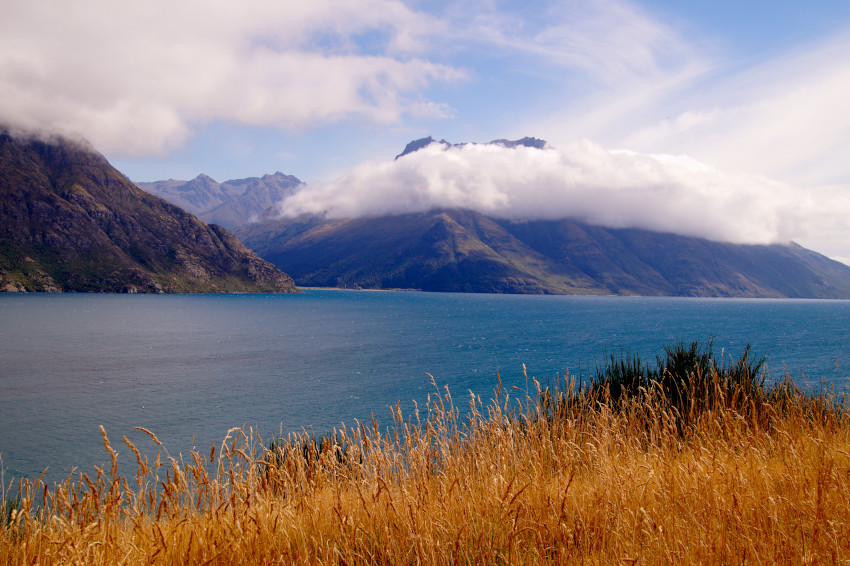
[(734, 475)]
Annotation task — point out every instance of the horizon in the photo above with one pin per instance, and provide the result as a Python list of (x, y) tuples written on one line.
[(330, 93)]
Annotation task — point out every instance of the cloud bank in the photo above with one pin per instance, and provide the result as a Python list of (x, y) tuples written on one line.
[(618, 189), (137, 78)]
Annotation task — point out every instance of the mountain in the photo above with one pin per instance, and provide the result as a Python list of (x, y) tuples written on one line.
[(69, 221), (462, 250), (230, 204)]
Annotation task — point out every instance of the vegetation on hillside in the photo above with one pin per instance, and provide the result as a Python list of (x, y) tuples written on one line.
[(457, 250), (690, 462)]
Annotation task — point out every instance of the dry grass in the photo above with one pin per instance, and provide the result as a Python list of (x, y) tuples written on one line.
[(560, 477)]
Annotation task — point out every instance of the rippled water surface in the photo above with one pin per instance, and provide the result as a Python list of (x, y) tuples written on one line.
[(190, 367)]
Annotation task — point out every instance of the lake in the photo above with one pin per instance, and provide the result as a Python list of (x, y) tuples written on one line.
[(190, 367)]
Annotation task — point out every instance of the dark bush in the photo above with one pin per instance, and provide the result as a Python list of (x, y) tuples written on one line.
[(686, 378)]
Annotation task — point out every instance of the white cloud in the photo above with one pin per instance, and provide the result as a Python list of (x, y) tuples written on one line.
[(140, 78), (585, 181), (137, 78), (788, 118)]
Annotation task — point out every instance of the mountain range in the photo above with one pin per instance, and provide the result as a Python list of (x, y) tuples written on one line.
[(231, 203), (463, 250), (69, 221)]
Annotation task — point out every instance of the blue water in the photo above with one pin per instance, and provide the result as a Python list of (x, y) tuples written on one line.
[(189, 367)]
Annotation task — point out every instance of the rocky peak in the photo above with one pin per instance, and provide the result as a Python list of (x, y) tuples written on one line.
[(416, 145), (205, 179), (534, 143)]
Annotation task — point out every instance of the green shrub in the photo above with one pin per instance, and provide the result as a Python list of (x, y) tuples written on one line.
[(686, 379)]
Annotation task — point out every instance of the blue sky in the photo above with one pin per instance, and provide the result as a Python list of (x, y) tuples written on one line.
[(751, 98)]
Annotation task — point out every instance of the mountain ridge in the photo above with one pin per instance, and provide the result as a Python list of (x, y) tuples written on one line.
[(230, 203), (464, 251), (69, 221), (422, 143)]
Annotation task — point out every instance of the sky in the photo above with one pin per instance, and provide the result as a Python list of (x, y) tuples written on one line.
[(725, 119)]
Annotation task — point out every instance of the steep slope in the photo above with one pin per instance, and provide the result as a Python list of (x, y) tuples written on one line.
[(460, 250), (642, 262), (230, 204), (70, 222)]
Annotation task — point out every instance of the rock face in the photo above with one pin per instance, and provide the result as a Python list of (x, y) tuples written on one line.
[(70, 222), (416, 145), (461, 250), (230, 204)]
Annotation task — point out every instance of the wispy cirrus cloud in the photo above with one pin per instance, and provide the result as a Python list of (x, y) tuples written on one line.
[(607, 67), (610, 39), (788, 117)]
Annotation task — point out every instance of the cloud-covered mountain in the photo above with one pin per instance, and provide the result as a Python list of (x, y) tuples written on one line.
[(529, 180), (70, 222), (231, 203), (523, 217)]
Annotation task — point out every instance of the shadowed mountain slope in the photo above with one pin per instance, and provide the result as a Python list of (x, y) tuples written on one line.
[(461, 250), (69, 221)]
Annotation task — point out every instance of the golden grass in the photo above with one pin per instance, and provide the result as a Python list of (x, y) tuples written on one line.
[(560, 477)]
